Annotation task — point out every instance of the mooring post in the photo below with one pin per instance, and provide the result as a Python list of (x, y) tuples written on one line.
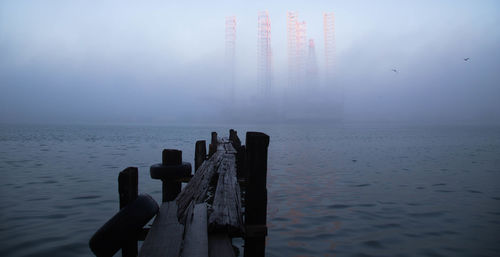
[(200, 153), (233, 136), (240, 153), (256, 194), (127, 186), (170, 187), (241, 169), (213, 145), (170, 171), (128, 191)]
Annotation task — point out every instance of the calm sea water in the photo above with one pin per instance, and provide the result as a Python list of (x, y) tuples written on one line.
[(348, 190)]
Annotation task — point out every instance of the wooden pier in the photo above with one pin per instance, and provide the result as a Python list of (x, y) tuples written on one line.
[(224, 199)]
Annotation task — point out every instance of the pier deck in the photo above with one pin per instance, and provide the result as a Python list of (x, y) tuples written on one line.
[(205, 215), (225, 198)]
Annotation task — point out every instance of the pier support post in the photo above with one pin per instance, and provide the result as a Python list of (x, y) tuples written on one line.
[(233, 136), (128, 191), (213, 145), (171, 171), (200, 154), (240, 153), (170, 187), (241, 169), (256, 194)]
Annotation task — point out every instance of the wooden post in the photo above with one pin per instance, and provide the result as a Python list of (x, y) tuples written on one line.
[(172, 171), (233, 136), (200, 153), (256, 194), (170, 187), (213, 144), (241, 169), (128, 190), (240, 153)]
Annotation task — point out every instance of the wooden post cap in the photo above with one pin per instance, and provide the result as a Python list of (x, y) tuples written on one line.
[(257, 139), (214, 138), (171, 157), (200, 143)]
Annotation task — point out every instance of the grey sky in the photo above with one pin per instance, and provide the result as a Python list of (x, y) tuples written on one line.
[(162, 61)]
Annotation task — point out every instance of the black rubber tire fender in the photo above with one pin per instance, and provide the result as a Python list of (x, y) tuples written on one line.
[(160, 171), (123, 226)]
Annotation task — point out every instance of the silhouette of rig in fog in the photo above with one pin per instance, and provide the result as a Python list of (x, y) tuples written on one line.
[(303, 95)]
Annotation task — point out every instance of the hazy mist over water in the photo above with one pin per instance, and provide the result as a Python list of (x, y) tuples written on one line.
[(163, 62)]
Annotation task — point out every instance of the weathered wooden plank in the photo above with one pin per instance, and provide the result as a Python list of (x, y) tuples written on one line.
[(197, 189), (196, 236), (220, 146), (228, 147), (226, 216), (165, 236), (219, 245)]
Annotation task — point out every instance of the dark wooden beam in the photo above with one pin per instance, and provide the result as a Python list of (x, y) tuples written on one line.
[(200, 154), (128, 191), (213, 144), (256, 191)]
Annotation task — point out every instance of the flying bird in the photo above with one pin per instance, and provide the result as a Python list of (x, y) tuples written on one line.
[(395, 71), (466, 59)]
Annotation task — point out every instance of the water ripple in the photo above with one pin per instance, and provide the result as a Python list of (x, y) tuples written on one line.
[(426, 214), (444, 191), (388, 225), (373, 244), (86, 197), (338, 206), (361, 185), (320, 202)]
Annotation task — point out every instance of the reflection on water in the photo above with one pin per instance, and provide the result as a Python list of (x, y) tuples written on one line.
[(384, 192), (333, 191)]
